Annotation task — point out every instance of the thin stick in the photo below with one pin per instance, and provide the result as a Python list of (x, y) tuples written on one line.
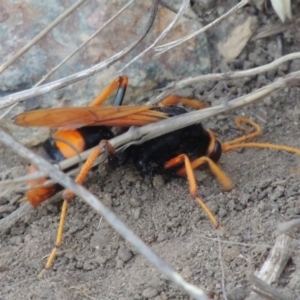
[(15, 216), (275, 263), (110, 217), (174, 86), (222, 266), (265, 290), (169, 46), (174, 10), (181, 11), (40, 35), (43, 89)]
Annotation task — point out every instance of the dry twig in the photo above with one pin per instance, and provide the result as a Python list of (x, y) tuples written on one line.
[(222, 266), (181, 11), (169, 46), (174, 10), (274, 265), (174, 86), (264, 290)]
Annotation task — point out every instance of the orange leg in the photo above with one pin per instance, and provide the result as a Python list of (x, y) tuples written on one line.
[(175, 100), (215, 169), (255, 133), (120, 83), (192, 184), (238, 143), (68, 196)]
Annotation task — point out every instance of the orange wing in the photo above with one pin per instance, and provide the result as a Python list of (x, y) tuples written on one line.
[(75, 117)]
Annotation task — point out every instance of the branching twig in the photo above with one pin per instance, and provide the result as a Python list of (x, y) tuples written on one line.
[(15, 216), (33, 92), (222, 266), (110, 217), (174, 86), (169, 7), (169, 46), (181, 11)]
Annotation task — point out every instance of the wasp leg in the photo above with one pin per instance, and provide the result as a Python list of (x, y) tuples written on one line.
[(174, 100), (58, 241), (238, 122), (238, 143), (192, 184), (120, 83), (68, 196), (215, 169)]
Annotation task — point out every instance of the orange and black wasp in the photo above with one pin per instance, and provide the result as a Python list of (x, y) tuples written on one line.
[(176, 153)]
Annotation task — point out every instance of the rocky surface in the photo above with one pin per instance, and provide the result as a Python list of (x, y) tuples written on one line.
[(95, 263)]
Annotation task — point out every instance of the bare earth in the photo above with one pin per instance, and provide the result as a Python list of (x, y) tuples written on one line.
[(95, 263)]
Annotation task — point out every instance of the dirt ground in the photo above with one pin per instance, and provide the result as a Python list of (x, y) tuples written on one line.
[(95, 263)]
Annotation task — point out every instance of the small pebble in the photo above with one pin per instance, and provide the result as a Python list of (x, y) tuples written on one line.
[(222, 212), (16, 240), (186, 273), (150, 293), (124, 254), (230, 254), (238, 293), (88, 265), (134, 202), (276, 195), (158, 182), (137, 213), (17, 230), (262, 195), (230, 205), (107, 200), (119, 264), (265, 183), (7, 209)]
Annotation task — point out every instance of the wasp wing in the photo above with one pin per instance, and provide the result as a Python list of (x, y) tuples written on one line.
[(75, 117)]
